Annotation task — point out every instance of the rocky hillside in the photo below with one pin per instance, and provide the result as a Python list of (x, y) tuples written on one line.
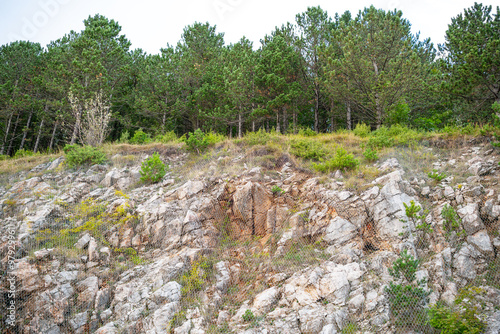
[(264, 247)]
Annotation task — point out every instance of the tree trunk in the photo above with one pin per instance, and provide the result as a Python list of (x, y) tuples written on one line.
[(230, 131), (53, 135), (164, 119), (379, 110), (11, 142), (240, 123), (332, 119), (285, 120), (253, 126), (25, 132), (6, 134), (76, 128), (35, 149), (349, 121), (378, 106), (316, 108), (294, 120), (278, 122)]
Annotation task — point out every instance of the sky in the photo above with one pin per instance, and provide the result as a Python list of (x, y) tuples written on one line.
[(152, 24)]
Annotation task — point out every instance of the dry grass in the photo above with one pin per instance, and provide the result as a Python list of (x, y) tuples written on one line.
[(11, 166), (129, 149)]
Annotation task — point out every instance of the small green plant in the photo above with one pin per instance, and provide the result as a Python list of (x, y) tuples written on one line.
[(124, 137), (197, 141), (350, 328), (277, 190), (452, 221), (168, 137), (177, 320), (412, 212), (194, 280), (370, 155), (408, 297), (307, 149), (214, 138), (436, 175), (153, 169), (79, 155), (382, 137), (260, 137), (23, 153), (140, 137), (307, 132), (362, 130), (248, 316), (340, 161), (463, 317)]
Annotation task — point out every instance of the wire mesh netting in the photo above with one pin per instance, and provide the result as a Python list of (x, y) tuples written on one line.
[(249, 243)]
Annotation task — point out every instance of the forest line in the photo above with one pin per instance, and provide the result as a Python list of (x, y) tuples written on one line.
[(320, 73)]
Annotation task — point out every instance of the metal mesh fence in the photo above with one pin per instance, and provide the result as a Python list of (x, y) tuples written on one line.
[(258, 246)]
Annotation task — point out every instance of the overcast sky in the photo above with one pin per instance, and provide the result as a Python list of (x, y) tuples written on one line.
[(151, 24)]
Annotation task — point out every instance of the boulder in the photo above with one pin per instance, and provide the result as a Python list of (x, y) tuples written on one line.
[(265, 300), (27, 275), (339, 231), (482, 242), (243, 203), (83, 241), (471, 220), (87, 290), (311, 319)]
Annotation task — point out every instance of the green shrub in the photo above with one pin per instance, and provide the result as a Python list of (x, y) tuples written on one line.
[(412, 211), (307, 132), (398, 114), (214, 138), (451, 219), (277, 190), (140, 137), (350, 328), (168, 137), (260, 137), (248, 316), (197, 141), (23, 153), (436, 175), (307, 149), (408, 298), (153, 169), (380, 139), (362, 130), (340, 161), (4, 157), (69, 147), (463, 317), (370, 155), (124, 137), (195, 279), (80, 155)]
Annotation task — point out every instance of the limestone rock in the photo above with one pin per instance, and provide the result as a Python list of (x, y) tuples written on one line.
[(265, 300), (311, 319), (222, 276), (482, 242), (471, 220), (243, 203), (339, 231), (87, 290), (27, 274), (83, 241), (464, 262), (170, 292)]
